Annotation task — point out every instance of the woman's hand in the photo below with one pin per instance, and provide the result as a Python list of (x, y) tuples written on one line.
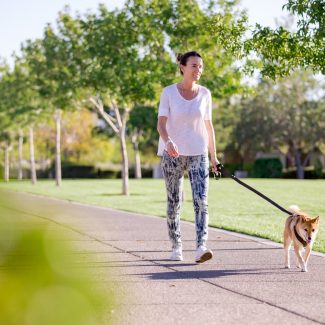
[(172, 149), (214, 164)]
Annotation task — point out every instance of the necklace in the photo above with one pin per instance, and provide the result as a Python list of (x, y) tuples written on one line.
[(188, 92)]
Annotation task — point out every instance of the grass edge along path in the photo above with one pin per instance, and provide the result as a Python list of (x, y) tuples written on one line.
[(231, 207)]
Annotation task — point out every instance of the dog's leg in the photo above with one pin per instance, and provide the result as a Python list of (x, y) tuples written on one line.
[(299, 258), (286, 245), (307, 254), (298, 264)]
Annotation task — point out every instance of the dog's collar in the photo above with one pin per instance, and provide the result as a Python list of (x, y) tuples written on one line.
[(303, 242)]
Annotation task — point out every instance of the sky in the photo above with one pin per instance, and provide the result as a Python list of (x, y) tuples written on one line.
[(21, 20)]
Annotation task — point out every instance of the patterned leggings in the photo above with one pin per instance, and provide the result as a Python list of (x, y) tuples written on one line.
[(198, 171)]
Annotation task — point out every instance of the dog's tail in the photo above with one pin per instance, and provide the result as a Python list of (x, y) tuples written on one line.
[(294, 208)]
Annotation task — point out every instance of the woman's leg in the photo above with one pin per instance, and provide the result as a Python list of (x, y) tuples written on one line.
[(198, 171), (173, 170)]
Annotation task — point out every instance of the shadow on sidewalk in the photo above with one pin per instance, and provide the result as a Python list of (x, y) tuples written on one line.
[(212, 274), (213, 248)]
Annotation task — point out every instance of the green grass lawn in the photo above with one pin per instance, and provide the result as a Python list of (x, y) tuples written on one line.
[(231, 206)]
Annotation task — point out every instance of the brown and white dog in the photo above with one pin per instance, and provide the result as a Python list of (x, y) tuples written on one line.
[(300, 229)]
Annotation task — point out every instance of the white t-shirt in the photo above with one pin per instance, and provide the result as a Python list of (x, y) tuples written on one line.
[(185, 124)]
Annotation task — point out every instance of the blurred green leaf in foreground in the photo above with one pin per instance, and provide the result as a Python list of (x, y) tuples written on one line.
[(41, 281)]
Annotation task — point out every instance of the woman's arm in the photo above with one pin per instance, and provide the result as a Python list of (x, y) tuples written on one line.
[(212, 145), (170, 145)]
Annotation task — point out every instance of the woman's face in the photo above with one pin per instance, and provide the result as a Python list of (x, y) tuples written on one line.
[(193, 69)]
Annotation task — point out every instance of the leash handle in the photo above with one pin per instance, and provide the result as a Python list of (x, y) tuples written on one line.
[(217, 175), (260, 194)]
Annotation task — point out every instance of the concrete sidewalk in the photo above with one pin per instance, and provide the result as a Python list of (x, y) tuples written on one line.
[(245, 282)]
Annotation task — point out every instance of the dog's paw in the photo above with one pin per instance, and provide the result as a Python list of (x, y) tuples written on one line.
[(287, 267), (304, 270)]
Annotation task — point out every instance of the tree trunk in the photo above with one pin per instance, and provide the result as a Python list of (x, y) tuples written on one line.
[(20, 155), (295, 152), (58, 175), (6, 162), (32, 156), (125, 161), (300, 172), (300, 168), (134, 139), (119, 129), (138, 174)]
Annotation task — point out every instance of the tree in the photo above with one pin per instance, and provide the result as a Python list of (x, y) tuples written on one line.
[(217, 34), (215, 31), (281, 50), (23, 108), (12, 91), (254, 128), (120, 57), (141, 131), (50, 60), (283, 116), (301, 117), (4, 120), (11, 81)]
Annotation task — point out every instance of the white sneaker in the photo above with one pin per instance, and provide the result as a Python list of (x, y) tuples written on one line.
[(177, 254), (203, 254)]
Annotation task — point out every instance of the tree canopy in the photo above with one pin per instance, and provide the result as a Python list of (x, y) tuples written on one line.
[(281, 50)]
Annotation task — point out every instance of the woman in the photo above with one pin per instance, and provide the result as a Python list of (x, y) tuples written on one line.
[(186, 136)]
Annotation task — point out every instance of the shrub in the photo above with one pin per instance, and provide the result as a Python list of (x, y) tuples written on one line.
[(267, 168)]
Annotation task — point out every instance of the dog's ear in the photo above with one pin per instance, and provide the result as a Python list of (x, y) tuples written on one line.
[(315, 220)]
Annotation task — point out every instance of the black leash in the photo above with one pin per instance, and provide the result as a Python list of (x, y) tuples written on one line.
[(260, 194), (302, 241), (217, 176)]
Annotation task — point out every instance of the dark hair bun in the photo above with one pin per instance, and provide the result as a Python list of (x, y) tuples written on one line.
[(179, 57)]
